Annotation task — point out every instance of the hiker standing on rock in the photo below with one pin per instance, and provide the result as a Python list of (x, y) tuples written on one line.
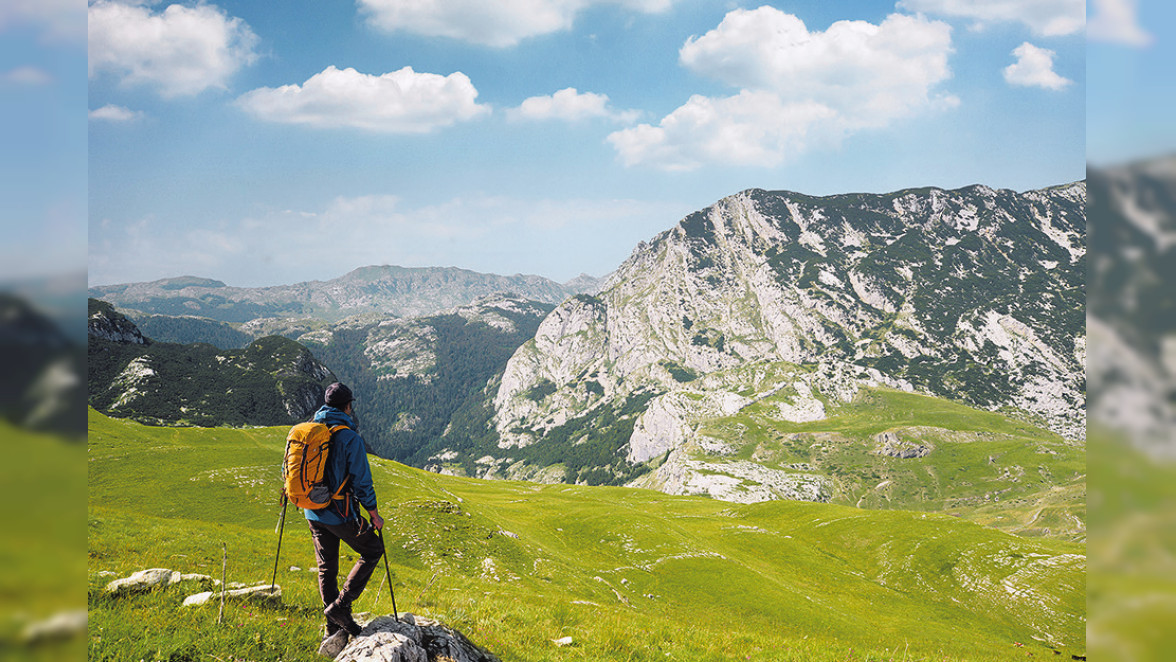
[(341, 521)]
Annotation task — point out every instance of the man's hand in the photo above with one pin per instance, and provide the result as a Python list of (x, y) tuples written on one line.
[(377, 521)]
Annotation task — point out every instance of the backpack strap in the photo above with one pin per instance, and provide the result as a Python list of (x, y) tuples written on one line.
[(343, 509)]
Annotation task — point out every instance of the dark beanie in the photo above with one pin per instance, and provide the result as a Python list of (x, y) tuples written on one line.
[(338, 395)]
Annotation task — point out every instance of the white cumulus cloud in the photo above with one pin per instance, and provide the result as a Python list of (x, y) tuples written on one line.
[(798, 88), (180, 51), (1048, 18), (570, 105), (113, 113), (1034, 68), (402, 101), (499, 23), (751, 128), (1117, 21)]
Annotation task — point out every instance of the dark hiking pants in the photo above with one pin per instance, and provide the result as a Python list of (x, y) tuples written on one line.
[(359, 536)]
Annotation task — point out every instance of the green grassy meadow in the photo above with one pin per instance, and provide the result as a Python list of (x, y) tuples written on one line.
[(984, 466), (1132, 587), (44, 569), (628, 574)]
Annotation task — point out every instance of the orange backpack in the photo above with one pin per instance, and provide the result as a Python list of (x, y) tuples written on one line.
[(307, 448)]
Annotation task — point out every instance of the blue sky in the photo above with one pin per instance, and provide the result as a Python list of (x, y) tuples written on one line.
[(1132, 70), (265, 143), (42, 138)]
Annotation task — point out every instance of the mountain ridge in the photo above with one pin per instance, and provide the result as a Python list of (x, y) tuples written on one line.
[(385, 289), (974, 294)]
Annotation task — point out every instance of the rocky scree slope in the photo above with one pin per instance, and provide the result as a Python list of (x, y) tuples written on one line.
[(273, 381), (974, 294), (386, 290), (1132, 312)]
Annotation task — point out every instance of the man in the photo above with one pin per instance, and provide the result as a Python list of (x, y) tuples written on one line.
[(341, 520)]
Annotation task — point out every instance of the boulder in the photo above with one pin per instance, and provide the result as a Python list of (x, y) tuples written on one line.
[(411, 639), (143, 581), (333, 645)]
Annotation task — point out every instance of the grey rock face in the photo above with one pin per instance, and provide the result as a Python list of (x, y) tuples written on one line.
[(107, 324), (973, 294), (1132, 367)]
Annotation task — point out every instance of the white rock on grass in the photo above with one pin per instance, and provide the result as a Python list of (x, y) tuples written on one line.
[(262, 593), (144, 580), (63, 625)]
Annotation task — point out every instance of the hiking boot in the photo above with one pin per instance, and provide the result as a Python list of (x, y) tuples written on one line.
[(339, 613)]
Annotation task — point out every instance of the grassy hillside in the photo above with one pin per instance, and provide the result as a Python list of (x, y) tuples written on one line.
[(981, 465), (1132, 587), (41, 550), (629, 574)]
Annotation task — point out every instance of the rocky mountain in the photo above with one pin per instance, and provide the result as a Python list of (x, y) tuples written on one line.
[(42, 387), (411, 375), (273, 381), (1132, 311), (384, 290), (976, 295)]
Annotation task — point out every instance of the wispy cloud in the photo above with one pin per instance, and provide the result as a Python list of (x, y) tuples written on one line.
[(58, 19), (797, 88), (1117, 21), (500, 234), (500, 23), (113, 113), (26, 76), (1034, 68), (570, 105), (403, 101), (1047, 18), (180, 51)]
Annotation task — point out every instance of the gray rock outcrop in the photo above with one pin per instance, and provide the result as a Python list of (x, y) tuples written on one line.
[(411, 639), (890, 444)]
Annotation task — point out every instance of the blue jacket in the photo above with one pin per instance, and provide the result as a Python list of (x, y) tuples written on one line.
[(348, 457)]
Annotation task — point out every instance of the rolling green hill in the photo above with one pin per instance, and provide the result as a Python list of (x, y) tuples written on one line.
[(629, 574)]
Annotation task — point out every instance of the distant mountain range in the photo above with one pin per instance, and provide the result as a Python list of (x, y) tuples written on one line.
[(386, 290)]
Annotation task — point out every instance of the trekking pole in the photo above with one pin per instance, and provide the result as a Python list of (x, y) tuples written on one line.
[(281, 528), (388, 572)]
